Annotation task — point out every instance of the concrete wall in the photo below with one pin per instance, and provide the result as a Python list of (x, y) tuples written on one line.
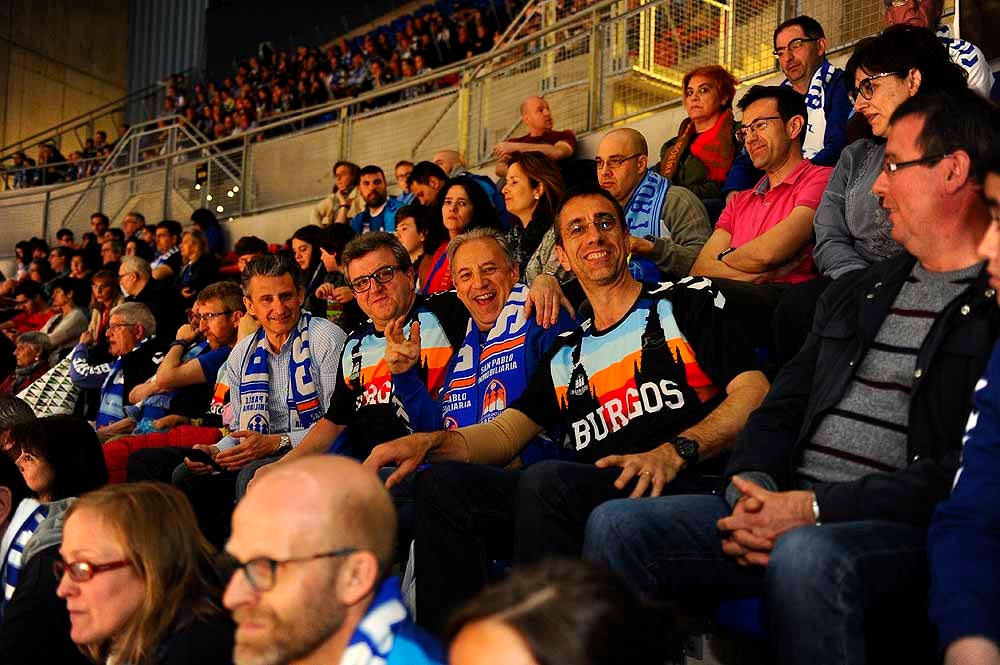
[(59, 59)]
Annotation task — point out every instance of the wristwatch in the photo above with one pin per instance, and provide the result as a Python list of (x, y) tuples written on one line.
[(686, 448), (284, 445)]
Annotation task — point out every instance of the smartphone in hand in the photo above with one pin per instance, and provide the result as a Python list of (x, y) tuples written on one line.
[(198, 455)]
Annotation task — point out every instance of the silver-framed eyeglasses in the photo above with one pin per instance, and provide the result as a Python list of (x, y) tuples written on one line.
[(794, 46), (604, 223), (758, 125), (614, 163)]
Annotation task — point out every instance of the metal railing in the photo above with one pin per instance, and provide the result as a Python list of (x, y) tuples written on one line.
[(601, 65), (107, 117)]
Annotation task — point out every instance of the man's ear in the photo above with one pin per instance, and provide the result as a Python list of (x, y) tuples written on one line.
[(357, 577), (6, 504), (796, 128), (563, 258)]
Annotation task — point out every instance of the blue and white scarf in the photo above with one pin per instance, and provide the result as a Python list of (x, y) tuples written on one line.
[(373, 639), (14, 560), (815, 138), (255, 383), (112, 407), (643, 216), (161, 259)]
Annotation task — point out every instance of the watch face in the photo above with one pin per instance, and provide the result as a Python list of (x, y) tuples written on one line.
[(686, 448)]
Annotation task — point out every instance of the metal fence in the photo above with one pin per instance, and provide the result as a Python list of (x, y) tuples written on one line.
[(598, 64)]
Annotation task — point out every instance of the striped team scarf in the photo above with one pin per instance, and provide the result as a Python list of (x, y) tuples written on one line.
[(255, 383), (12, 566), (372, 640)]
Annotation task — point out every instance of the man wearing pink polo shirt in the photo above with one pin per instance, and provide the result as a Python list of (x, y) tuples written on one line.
[(764, 238)]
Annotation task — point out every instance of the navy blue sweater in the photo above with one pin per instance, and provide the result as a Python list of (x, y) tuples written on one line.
[(964, 539)]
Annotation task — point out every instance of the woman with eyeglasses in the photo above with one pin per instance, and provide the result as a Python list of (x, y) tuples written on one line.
[(139, 581), (462, 205), (700, 156), (852, 229)]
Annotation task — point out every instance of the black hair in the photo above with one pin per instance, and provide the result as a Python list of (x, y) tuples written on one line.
[(372, 169), (69, 445), (572, 612), (173, 227), (790, 103), (78, 287), (309, 234), (484, 215), (334, 238), (142, 249), (956, 120), (64, 233), (29, 289), (900, 48), (104, 218), (250, 245), (810, 26), (204, 218), (118, 235), (415, 211), (423, 171)]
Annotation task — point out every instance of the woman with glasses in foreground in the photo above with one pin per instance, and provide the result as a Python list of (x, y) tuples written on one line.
[(138, 579)]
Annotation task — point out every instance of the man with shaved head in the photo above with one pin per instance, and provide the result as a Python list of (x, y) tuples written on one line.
[(312, 546), (537, 117), (668, 225)]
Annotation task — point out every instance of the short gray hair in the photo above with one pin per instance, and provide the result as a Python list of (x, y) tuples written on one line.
[(14, 411), (482, 233), (136, 313), (369, 242), (39, 340), (138, 265), (271, 265)]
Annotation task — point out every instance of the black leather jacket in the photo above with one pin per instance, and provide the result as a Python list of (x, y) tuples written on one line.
[(848, 317)]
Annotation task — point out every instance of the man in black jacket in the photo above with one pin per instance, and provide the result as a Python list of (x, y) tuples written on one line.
[(835, 477)]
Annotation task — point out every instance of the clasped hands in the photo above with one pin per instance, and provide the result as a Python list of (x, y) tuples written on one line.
[(759, 518)]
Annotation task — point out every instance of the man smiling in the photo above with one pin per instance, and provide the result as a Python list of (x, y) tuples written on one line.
[(649, 389)]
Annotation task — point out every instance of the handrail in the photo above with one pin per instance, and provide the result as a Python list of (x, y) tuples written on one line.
[(84, 118)]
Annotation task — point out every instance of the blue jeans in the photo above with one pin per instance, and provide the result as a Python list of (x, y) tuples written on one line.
[(820, 582)]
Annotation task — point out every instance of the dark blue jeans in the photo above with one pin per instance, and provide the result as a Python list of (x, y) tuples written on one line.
[(820, 582)]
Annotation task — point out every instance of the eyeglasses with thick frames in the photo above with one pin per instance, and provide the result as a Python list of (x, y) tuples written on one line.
[(794, 46), (604, 223), (195, 319), (758, 125), (614, 163), (890, 167), (865, 88), (84, 571), (262, 572), (383, 275)]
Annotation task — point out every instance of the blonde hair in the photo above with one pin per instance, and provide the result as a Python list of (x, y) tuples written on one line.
[(164, 547)]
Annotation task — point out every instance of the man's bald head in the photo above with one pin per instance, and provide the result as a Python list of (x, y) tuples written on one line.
[(322, 495), (628, 138), (627, 149), (536, 115), (449, 160)]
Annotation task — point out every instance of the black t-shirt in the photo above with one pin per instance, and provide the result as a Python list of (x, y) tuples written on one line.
[(660, 369), (364, 400)]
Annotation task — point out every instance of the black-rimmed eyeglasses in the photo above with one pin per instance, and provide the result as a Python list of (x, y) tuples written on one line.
[(262, 572), (383, 275)]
